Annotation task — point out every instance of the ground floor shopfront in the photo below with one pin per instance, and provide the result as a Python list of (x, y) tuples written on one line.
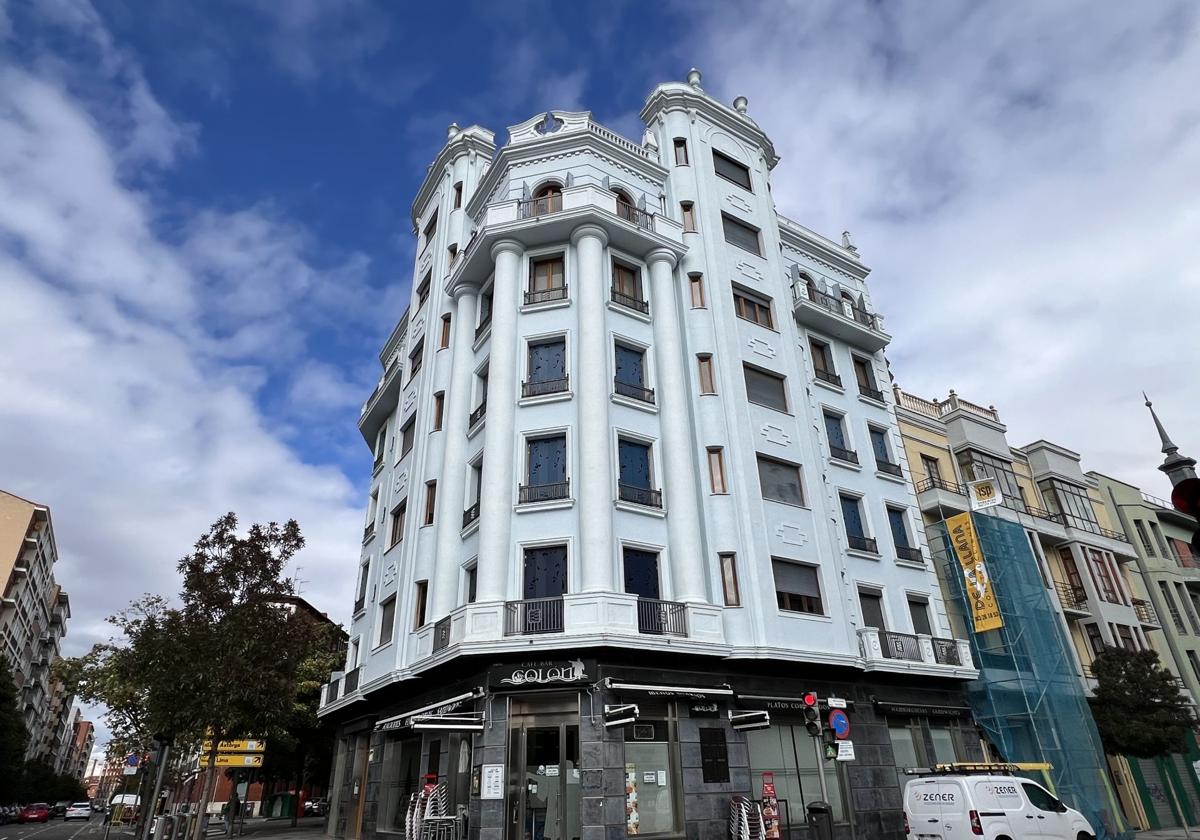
[(525, 753)]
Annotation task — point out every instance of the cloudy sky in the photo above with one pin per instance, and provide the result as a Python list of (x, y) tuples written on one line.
[(204, 231)]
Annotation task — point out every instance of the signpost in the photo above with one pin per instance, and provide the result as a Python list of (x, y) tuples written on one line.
[(238, 760), (246, 746), (839, 722)]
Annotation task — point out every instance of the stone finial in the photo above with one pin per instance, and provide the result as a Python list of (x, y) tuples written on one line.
[(648, 141), (693, 78), (741, 104), (848, 242), (452, 131), (1175, 465)]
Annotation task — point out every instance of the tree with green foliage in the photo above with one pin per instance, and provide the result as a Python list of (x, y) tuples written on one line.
[(1138, 707), (39, 783), (13, 737)]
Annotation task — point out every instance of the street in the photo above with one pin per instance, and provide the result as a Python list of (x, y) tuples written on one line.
[(93, 829)]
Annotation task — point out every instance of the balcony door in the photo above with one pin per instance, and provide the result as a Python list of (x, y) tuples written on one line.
[(544, 779), (545, 572), (641, 573)]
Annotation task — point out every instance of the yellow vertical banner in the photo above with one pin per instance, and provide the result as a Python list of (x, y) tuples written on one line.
[(976, 582)]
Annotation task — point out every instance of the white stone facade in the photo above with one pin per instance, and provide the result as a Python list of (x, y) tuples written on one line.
[(483, 220)]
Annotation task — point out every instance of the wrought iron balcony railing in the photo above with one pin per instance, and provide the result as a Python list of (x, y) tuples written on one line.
[(541, 387), (470, 514), (477, 415), (532, 616), (863, 543), (1071, 597), (546, 295), (634, 390), (900, 645), (873, 393), (529, 494), (940, 484), (544, 206), (661, 618), (639, 495), (629, 301), (945, 652), (484, 324), (827, 376), (889, 468), (847, 455), (909, 554), (631, 214)]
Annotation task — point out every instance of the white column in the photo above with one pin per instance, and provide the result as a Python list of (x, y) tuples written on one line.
[(688, 572), (592, 478), (452, 483), (495, 515)]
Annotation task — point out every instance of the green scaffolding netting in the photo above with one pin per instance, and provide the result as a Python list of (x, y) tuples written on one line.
[(1028, 698)]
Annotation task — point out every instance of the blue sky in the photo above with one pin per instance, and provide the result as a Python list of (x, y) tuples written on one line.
[(205, 234)]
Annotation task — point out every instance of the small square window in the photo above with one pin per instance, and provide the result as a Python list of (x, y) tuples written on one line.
[(753, 307), (780, 481)]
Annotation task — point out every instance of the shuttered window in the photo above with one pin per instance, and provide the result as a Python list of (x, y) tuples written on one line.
[(765, 388), (741, 234), (797, 587)]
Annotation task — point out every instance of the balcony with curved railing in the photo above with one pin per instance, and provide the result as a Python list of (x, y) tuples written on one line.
[(836, 316)]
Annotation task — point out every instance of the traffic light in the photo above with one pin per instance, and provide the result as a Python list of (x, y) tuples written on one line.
[(1186, 499), (812, 714)]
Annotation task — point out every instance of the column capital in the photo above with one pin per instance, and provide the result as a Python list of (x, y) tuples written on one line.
[(662, 255), (589, 230), (509, 245), (461, 290)]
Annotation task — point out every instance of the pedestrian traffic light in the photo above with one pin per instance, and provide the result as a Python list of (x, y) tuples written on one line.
[(812, 714), (1186, 499)]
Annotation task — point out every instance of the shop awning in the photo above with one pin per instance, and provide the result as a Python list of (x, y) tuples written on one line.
[(449, 722), (441, 707), (655, 690)]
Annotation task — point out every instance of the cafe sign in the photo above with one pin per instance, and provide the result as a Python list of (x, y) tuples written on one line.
[(538, 674)]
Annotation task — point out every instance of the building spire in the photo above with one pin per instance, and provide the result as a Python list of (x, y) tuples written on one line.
[(1176, 466)]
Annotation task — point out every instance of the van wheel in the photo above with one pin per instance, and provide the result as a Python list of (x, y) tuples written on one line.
[(1083, 835)]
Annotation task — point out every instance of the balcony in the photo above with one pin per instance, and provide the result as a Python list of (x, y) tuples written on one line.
[(634, 216), (1072, 598), (840, 454), (470, 514), (643, 496), (887, 650), (441, 634), (909, 554), (661, 618), (828, 377), (940, 484), (532, 208), (534, 616), (629, 301), (332, 690), (889, 468), (871, 393), (900, 646), (368, 532), (938, 409), (867, 544), (477, 415), (546, 295), (532, 494), (945, 652), (543, 387), (1145, 613), (350, 681), (837, 317), (360, 604), (485, 323), (634, 391)]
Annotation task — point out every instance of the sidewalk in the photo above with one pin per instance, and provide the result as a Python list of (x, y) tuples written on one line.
[(1169, 834), (307, 828)]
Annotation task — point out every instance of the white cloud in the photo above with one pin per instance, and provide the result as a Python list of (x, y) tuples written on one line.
[(1023, 181)]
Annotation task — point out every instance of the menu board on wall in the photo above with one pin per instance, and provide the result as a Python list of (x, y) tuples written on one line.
[(492, 786)]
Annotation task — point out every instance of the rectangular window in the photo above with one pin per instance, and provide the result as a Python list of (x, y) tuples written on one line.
[(797, 587), (879, 447), (423, 290), (1176, 616), (641, 579), (627, 283), (430, 230), (439, 405), (696, 287), (471, 583), (933, 470), (1143, 536), (976, 465), (451, 254), (547, 361), (387, 620), (364, 576), (898, 521), (1158, 536), (648, 750), (422, 595), (689, 217), (918, 611), (1095, 638), (708, 383), (765, 388), (1125, 635), (1102, 577), (822, 360), (546, 274), (380, 444), (1194, 661), (430, 501), (634, 463), (780, 481), (729, 580), (398, 515), (786, 751), (546, 467), (630, 365), (741, 235), (835, 431), (1183, 553), (415, 359), (716, 470), (753, 307), (1072, 502), (852, 515), (864, 375), (458, 187), (407, 435), (871, 604), (1188, 607), (731, 170), (545, 576), (681, 152)]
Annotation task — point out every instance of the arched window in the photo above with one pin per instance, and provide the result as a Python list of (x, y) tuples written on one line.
[(548, 199), (625, 207)]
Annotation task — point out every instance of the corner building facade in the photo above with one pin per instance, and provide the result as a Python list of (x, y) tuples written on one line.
[(632, 449)]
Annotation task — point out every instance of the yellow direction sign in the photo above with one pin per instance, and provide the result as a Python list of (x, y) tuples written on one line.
[(255, 745), (234, 760)]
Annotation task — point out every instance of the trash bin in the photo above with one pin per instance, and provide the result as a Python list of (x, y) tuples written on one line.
[(820, 821)]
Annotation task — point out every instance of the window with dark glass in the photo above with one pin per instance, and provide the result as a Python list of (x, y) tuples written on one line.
[(898, 521), (545, 571), (765, 388), (430, 501), (753, 307), (630, 367), (650, 753), (547, 360), (419, 601), (879, 446), (852, 516), (741, 235), (364, 576), (864, 375), (430, 230), (786, 750), (976, 465), (458, 187), (407, 435), (1072, 502), (729, 580), (1125, 634), (797, 587), (634, 463), (918, 611), (641, 572), (835, 430), (681, 152), (780, 481), (1095, 638), (932, 468), (398, 514), (822, 360), (871, 604), (546, 469), (399, 780), (472, 574), (415, 359), (387, 620), (1102, 576), (731, 170), (423, 289)]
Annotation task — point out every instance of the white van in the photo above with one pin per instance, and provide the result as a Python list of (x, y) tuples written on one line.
[(954, 806)]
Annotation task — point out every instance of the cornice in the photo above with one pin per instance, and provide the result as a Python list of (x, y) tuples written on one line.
[(561, 145), (677, 96), (824, 251), (470, 139)]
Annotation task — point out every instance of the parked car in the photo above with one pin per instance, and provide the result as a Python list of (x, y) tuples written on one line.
[(59, 808), (315, 807), (78, 811), (963, 806), (37, 812)]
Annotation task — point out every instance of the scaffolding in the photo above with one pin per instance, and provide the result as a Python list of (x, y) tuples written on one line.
[(1028, 698)]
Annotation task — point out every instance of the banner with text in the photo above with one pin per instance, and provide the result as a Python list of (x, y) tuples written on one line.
[(978, 586)]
